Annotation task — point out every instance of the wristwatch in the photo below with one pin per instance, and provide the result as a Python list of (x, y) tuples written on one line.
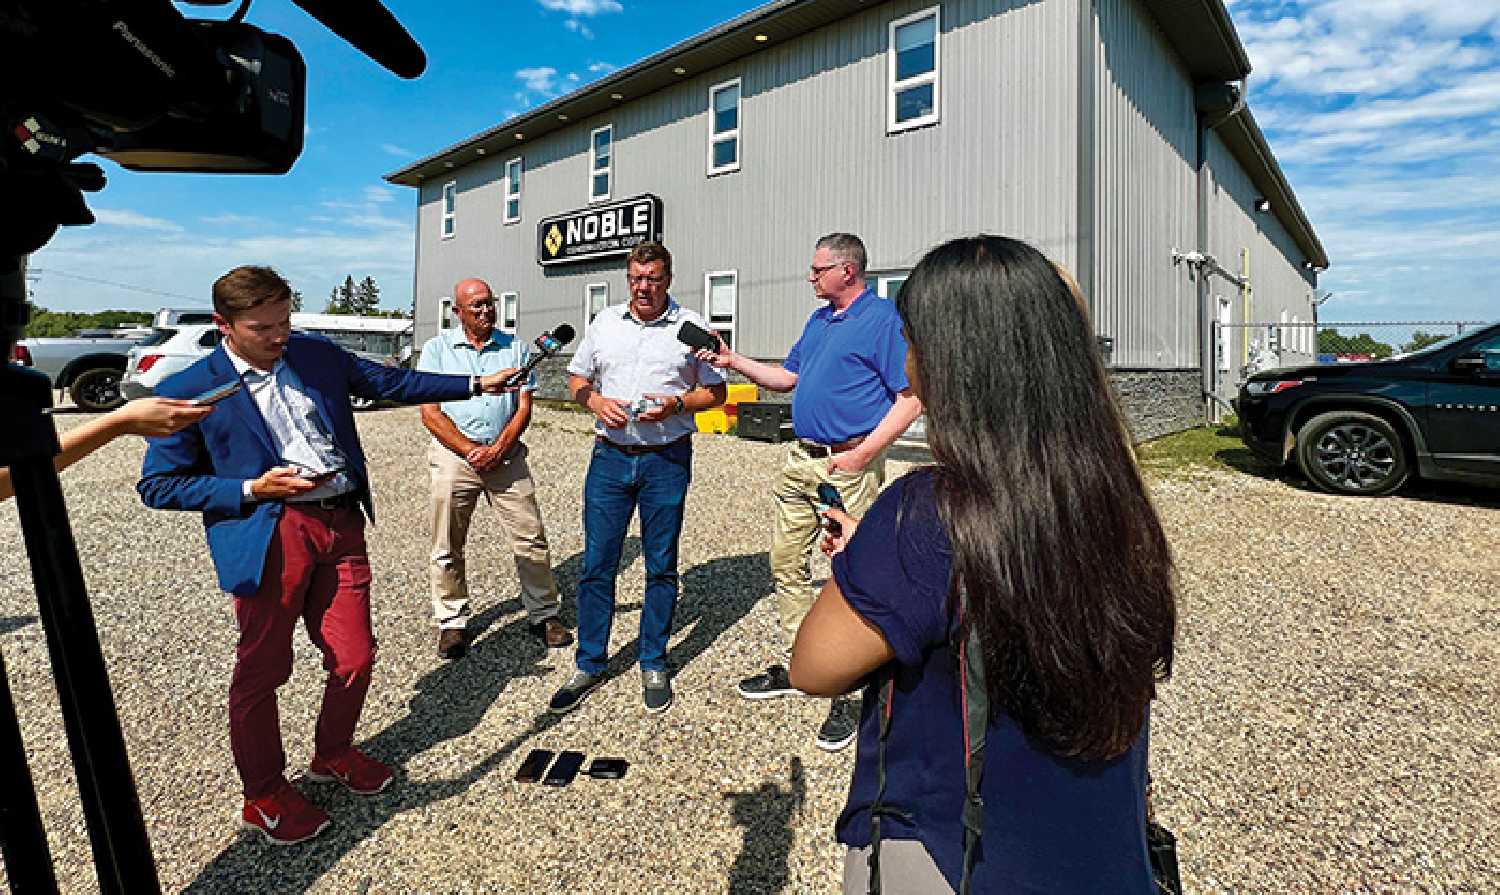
[(680, 405), (476, 386)]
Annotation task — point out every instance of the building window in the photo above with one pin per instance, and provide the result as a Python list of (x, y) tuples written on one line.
[(720, 296), (510, 304), (886, 285), (914, 71), (450, 199), (601, 162), (512, 191), (724, 127), (445, 313), (595, 299)]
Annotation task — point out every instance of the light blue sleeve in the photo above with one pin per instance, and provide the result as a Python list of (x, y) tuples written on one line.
[(431, 359)]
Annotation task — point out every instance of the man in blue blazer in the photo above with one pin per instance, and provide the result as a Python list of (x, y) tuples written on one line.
[(278, 473)]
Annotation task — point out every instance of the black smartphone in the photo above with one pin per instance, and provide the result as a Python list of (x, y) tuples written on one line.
[(531, 769), (828, 498), (218, 393), (564, 769), (607, 768)]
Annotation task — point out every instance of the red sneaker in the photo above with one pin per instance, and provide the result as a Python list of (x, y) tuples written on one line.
[(284, 817), (357, 771)]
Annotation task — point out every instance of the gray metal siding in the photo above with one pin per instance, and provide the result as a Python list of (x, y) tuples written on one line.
[(1279, 282), (815, 158), (1146, 193)]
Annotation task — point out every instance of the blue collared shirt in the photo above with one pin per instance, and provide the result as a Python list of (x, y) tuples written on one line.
[(850, 367), (480, 419), (627, 360)]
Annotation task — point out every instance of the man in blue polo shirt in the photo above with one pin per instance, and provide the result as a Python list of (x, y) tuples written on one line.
[(477, 450), (851, 400)]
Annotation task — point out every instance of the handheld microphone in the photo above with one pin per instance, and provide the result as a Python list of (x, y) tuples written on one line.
[(694, 336), (547, 344)]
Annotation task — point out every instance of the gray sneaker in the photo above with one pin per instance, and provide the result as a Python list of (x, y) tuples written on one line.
[(572, 694), (769, 684), (656, 691), (840, 727)]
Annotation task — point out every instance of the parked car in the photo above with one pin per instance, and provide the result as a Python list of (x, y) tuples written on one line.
[(172, 348), (168, 350), (1366, 428), (89, 369)]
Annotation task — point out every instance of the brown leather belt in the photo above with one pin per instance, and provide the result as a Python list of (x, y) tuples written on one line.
[(818, 449), (635, 450), (349, 500)]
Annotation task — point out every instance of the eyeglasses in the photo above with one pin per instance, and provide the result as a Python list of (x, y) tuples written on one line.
[(638, 280), (817, 270), (484, 304)]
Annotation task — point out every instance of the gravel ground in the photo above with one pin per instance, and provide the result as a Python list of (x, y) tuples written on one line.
[(1332, 726)]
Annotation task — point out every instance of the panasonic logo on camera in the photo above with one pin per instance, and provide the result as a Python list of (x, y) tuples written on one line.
[(140, 46)]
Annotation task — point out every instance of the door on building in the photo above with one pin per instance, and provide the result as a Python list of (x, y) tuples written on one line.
[(1463, 410)]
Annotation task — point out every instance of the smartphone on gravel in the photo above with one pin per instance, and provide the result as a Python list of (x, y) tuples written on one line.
[(564, 769), (531, 769)]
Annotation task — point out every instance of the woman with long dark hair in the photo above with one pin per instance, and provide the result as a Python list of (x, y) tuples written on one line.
[(1032, 541)]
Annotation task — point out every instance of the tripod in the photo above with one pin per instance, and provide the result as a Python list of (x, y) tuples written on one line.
[(111, 807)]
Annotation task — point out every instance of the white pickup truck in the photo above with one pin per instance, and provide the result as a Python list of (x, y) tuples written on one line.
[(88, 368)]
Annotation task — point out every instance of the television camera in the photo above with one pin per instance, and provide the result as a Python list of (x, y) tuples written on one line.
[(137, 82)]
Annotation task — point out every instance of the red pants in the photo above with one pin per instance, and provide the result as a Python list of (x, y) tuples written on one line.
[(316, 570)]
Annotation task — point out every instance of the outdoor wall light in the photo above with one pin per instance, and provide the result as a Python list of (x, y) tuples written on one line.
[(761, 38), (679, 70), (1262, 204), (617, 96)]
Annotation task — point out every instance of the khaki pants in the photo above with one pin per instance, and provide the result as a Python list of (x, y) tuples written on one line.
[(456, 488), (797, 525)]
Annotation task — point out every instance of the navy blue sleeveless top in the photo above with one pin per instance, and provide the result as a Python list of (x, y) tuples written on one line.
[(1050, 824)]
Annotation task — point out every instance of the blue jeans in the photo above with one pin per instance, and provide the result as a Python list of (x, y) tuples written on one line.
[(617, 482)]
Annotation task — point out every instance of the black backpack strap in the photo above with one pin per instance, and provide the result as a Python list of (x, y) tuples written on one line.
[(884, 686), (976, 709)]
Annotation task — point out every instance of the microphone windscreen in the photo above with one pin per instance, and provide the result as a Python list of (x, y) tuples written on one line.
[(695, 337), (563, 333)]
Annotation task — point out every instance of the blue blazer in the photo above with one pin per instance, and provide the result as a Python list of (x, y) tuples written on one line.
[(204, 466)]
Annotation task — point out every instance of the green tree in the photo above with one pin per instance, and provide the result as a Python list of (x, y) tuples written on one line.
[(54, 324), (1331, 341), (296, 301), (366, 297), (341, 299), (1420, 340)]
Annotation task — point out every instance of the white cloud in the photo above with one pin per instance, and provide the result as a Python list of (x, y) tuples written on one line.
[(397, 151), (579, 28), (584, 8), (542, 79), (229, 219), (379, 194), (120, 217), (602, 68)]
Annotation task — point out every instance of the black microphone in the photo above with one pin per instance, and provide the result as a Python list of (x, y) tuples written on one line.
[(547, 344), (694, 336)]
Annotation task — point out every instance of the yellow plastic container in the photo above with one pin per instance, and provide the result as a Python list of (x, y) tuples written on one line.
[(714, 422), (742, 391)]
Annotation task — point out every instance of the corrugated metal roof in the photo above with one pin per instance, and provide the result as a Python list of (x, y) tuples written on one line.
[(1200, 31)]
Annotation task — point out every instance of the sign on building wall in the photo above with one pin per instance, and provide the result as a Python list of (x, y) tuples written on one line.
[(599, 231)]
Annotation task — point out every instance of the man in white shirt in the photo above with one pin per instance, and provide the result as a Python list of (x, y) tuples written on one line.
[(643, 386)]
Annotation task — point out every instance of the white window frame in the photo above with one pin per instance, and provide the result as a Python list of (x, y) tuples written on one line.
[(608, 170), (883, 280), (934, 77), (500, 318), (445, 313), (717, 137), (734, 313), (588, 294), (448, 206), (512, 191)]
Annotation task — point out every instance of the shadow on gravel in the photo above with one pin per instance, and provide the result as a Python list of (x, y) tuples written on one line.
[(1453, 493), (768, 814), (15, 623), (451, 699)]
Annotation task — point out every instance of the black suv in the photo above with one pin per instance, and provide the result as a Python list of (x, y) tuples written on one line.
[(1364, 428)]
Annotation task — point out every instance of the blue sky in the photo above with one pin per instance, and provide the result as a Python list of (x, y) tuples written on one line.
[(1385, 115)]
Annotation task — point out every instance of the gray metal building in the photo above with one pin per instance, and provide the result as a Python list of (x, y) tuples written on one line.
[(1111, 134)]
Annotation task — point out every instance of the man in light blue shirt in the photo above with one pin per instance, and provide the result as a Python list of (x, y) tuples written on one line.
[(477, 449)]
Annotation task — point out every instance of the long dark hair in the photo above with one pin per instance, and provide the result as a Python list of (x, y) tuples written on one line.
[(1070, 580)]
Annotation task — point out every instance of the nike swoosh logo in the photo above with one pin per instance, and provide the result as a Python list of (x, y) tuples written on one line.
[(270, 822)]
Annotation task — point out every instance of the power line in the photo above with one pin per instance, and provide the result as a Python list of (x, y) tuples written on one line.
[(75, 276)]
